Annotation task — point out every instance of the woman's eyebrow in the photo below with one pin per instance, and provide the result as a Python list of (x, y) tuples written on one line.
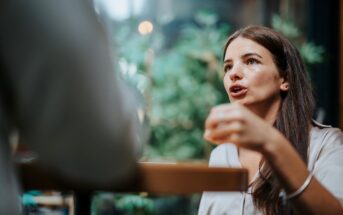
[(252, 54), (227, 61)]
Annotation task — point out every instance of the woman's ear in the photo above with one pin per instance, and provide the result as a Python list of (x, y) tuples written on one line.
[(284, 85)]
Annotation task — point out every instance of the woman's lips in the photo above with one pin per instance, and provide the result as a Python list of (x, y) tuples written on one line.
[(238, 91), (238, 94)]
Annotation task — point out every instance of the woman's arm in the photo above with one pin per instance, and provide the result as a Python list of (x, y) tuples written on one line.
[(292, 173), (236, 124)]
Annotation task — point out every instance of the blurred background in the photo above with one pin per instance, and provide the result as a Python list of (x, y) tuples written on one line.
[(171, 52)]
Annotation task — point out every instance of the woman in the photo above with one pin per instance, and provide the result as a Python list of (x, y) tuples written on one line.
[(295, 164)]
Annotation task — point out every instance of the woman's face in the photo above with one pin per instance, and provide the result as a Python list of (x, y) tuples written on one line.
[(251, 76)]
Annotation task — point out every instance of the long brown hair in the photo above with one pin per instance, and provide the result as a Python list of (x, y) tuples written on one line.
[(295, 114)]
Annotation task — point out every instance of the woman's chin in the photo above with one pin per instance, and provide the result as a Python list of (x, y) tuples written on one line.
[(242, 101)]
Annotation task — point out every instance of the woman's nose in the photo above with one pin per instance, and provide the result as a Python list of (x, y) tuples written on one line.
[(236, 73)]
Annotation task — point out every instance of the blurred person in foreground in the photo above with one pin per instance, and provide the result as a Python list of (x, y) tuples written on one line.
[(295, 164), (58, 89)]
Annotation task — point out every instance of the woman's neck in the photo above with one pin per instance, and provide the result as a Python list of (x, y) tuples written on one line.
[(268, 111)]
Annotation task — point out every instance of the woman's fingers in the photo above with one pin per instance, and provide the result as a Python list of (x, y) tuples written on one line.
[(226, 123), (217, 118), (228, 132), (234, 123)]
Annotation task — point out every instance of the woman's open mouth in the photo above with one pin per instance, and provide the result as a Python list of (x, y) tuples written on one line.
[(237, 91)]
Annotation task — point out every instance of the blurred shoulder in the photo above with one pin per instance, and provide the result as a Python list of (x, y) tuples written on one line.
[(222, 154), (325, 140), (326, 133)]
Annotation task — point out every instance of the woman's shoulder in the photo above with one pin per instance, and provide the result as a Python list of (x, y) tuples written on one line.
[(224, 148), (325, 141), (326, 158), (326, 134), (223, 155)]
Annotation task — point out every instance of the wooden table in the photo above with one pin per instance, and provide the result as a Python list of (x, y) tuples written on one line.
[(154, 178), (159, 178), (186, 178)]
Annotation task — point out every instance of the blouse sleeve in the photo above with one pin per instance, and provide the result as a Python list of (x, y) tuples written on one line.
[(328, 168)]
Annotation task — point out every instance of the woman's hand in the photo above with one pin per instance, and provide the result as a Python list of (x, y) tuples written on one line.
[(234, 123)]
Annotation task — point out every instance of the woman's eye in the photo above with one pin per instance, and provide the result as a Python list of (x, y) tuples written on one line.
[(227, 68), (252, 61)]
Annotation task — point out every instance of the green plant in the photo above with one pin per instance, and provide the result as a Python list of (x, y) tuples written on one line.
[(180, 84), (310, 52)]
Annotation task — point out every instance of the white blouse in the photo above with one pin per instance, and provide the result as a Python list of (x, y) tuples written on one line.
[(325, 161)]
